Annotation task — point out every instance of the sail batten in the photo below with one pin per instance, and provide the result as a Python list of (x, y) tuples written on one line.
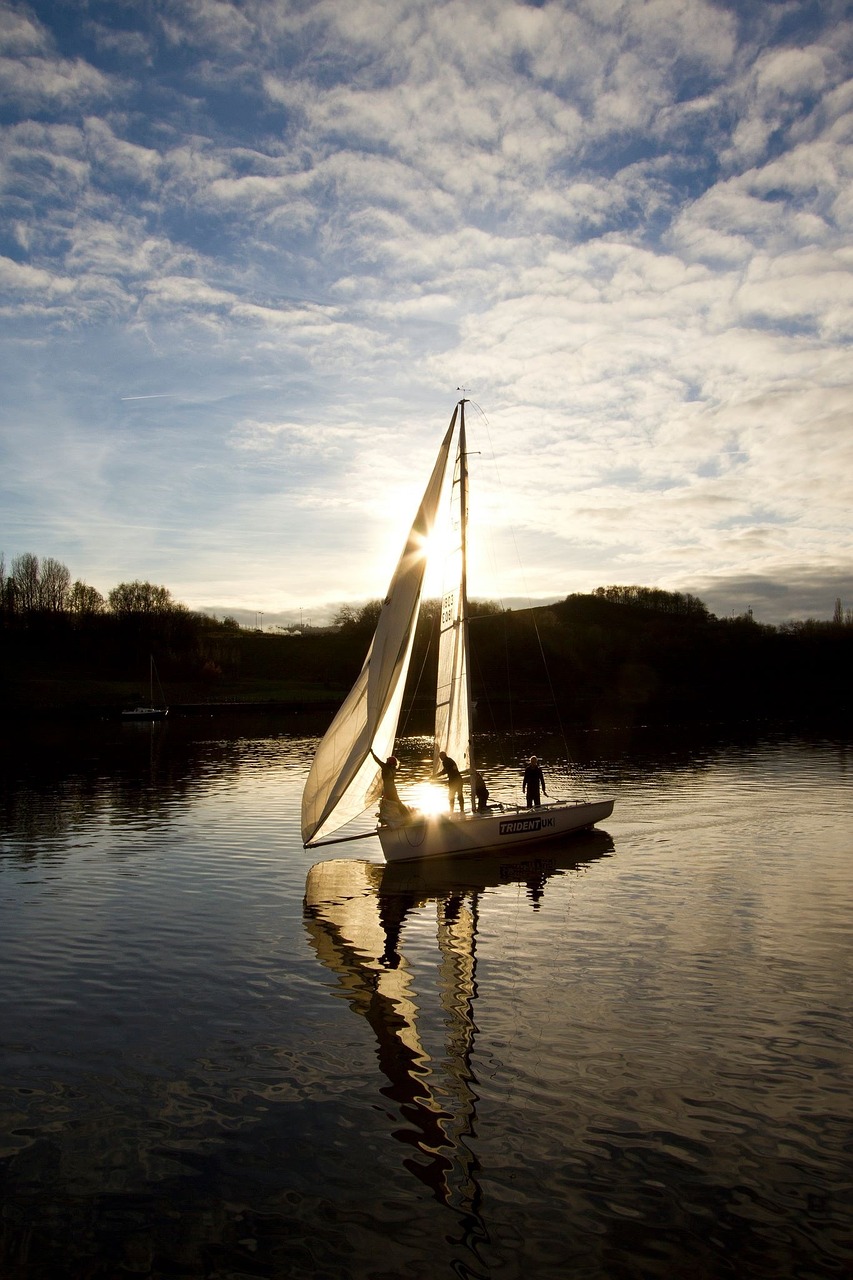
[(343, 779)]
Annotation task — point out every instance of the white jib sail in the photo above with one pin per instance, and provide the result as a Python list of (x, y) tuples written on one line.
[(342, 780), (452, 727)]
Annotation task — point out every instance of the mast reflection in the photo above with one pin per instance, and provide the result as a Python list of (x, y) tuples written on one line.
[(356, 916)]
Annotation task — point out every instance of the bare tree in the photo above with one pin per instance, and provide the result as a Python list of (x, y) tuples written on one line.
[(26, 575), (352, 617), (83, 599), (54, 585), (140, 597)]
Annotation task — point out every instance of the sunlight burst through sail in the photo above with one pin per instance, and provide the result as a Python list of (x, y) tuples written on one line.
[(437, 548)]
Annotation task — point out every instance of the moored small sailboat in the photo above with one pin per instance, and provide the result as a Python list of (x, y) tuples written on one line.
[(153, 710)]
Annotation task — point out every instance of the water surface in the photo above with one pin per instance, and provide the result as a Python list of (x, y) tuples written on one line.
[(224, 1055)]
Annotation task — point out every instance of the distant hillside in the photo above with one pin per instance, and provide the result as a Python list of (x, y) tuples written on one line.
[(622, 655)]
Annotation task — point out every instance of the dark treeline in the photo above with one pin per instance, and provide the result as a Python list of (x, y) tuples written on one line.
[(637, 655), (622, 655)]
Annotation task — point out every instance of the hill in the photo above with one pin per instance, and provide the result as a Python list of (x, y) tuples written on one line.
[(621, 655)]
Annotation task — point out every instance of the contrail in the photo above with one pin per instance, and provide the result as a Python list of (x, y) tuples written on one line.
[(159, 395)]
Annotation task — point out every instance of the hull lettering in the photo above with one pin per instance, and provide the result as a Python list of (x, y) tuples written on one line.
[(521, 826)]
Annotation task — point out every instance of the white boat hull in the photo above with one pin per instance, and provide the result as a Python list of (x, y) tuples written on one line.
[(443, 834)]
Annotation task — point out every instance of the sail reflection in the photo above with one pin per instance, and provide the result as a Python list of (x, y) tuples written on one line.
[(359, 916)]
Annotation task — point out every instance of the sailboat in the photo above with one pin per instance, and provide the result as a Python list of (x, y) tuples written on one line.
[(343, 779), (153, 711)]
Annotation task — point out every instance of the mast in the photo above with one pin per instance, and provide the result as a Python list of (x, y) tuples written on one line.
[(466, 646)]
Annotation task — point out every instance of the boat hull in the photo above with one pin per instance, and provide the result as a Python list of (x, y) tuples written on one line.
[(442, 835)]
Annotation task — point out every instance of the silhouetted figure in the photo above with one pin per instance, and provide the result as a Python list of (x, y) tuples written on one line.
[(454, 780), (532, 782), (390, 806), (481, 792)]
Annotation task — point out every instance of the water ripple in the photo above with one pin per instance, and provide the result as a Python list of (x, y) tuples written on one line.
[(631, 1058)]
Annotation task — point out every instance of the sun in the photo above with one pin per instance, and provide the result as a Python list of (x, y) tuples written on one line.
[(429, 797), (436, 548), (439, 547)]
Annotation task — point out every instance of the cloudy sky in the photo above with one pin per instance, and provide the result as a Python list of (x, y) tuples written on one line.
[(249, 251)]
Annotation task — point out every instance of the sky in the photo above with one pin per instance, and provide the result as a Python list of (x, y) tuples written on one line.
[(250, 251)]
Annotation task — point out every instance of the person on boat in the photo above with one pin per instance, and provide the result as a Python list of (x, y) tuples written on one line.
[(532, 782), (390, 806), (454, 780), (481, 792)]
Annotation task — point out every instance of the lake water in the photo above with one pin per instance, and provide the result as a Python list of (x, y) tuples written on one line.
[(628, 1056)]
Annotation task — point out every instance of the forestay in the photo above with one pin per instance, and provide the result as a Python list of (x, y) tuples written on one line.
[(343, 778)]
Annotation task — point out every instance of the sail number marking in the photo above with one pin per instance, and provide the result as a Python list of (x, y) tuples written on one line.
[(448, 608)]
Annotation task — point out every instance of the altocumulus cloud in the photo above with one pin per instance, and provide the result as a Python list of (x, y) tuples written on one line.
[(249, 251)]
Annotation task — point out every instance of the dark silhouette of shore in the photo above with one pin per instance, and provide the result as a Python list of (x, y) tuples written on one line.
[(620, 655)]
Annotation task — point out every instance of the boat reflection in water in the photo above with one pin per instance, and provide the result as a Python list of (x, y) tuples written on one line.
[(358, 915)]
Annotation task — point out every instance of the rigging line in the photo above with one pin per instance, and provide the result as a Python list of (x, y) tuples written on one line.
[(562, 732), (510, 703), (498, 737), (428, 648), (571, 763), (512, 744)]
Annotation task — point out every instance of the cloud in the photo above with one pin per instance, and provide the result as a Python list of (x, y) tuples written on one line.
[(625, 228), (34, 83), (805, 287), (792, 598)]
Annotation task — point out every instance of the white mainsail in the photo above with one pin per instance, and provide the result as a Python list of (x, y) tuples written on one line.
[(452, 717), (343, 777)]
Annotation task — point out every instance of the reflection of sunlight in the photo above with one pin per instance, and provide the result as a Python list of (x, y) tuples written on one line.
[(429, 797)]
